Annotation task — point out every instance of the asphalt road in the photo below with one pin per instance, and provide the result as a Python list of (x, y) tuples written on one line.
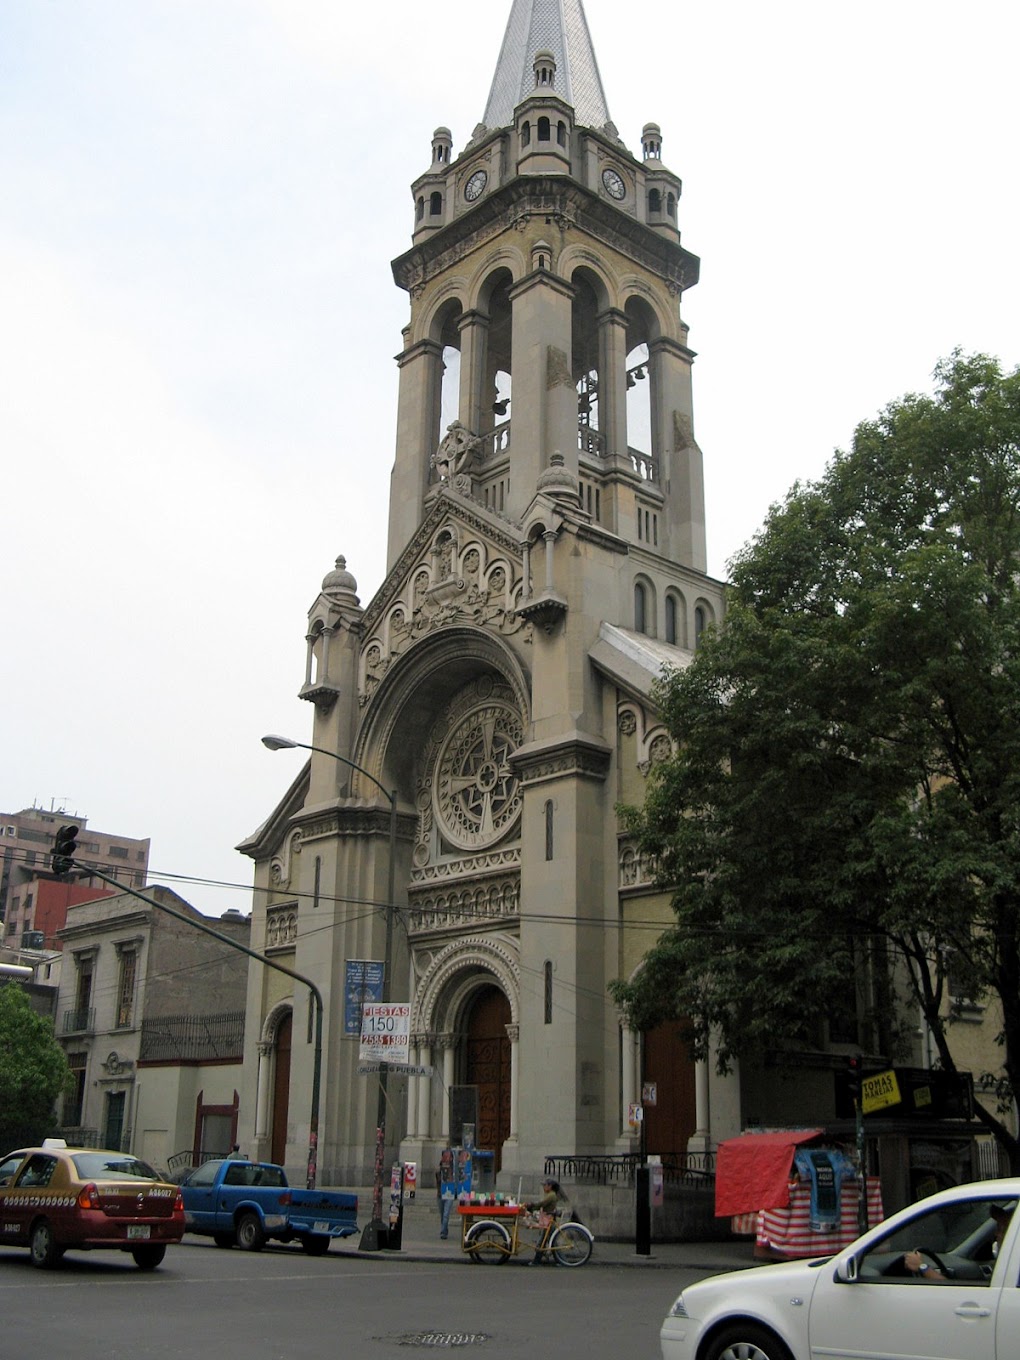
[(279, 1304)]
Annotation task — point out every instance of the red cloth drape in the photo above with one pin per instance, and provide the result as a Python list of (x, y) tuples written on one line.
[(752, 1172)]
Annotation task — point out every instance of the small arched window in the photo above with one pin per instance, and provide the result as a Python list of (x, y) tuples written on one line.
[(547, 974), (671, 204), (525, 134), (435, 204), (419, 209), (671, 619), (654, 201), (700, 619), (544, 130), (561, 133), (549, 829), (640, 608)]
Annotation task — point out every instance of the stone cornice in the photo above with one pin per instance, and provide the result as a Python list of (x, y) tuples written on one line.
[(576, 755), (353, 819), (567, 203)]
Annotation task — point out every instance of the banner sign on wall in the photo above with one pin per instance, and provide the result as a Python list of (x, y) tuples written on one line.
[(364, 982)]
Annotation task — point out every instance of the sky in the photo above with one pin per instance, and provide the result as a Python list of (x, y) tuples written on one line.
[(199, 203)]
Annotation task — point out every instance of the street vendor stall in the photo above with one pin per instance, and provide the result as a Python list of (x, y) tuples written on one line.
[(800, 1198)]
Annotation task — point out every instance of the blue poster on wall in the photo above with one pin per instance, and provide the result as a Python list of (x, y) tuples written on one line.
[(364, 982)]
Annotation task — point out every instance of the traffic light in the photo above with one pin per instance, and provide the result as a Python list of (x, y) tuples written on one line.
[(854, 1072), (65, 846)]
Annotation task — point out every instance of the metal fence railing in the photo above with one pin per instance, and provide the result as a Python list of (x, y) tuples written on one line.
[(691, 1168)]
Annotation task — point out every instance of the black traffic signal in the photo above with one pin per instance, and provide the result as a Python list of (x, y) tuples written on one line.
[(854, 1073), (65, 847)]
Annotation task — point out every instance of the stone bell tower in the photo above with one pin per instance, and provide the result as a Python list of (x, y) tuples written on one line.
[(546, 559)]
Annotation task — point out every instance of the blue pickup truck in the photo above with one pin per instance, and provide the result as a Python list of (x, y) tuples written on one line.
[(247, 1203)]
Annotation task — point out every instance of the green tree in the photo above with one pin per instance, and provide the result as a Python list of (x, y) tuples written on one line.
[(844, 800), (33, 1069)]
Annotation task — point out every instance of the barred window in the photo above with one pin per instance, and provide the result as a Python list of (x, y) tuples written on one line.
[(126, 988)]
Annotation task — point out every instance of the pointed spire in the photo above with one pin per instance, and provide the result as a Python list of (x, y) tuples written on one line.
[(558, 27)]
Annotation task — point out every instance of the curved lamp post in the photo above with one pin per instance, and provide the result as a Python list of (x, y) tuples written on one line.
[(277, 743)]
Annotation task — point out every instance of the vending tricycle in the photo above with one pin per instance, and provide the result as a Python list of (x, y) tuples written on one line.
[(490, 1234)]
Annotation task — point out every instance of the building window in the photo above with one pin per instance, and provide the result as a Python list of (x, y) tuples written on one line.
[(75, 1097), (544, 132), (435, 204), (671, 619), (561, 133), (525, 134), (640, 608), (654, 201), (547, 973), (549, 829), (126, 988), (118, 852), (700, 619)]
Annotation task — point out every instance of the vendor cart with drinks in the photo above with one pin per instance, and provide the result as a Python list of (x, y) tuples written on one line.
[(491, 1226)]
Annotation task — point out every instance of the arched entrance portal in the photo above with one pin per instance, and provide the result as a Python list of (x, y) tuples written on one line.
[(281, 1090), (487, 1066)]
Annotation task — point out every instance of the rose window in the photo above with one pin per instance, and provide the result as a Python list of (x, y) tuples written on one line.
[(477, 795)]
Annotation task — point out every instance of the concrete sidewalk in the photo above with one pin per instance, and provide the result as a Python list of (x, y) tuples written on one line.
[(421, 1242)]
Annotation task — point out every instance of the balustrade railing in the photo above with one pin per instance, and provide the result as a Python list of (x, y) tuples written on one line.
[(80, 1021)]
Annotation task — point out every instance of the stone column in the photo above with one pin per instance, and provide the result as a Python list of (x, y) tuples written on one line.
[(424, 1094), (412, 1092), (448, 1074), (700, 1138), (513, 1034), (628, 1074), (613, 380), (265, 1051), (474, 403)]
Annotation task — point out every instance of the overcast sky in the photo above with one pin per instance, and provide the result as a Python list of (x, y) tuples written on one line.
[(199, 201)]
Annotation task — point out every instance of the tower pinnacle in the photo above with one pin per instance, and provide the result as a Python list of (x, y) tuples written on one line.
[(560, 28)]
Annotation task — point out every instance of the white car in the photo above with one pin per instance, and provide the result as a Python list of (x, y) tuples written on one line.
[(937, 1281)]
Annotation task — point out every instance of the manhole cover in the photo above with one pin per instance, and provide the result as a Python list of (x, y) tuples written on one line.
[(448, 1339)]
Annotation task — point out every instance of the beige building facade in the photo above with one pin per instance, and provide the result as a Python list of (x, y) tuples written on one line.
[(150, 1012), (546, 560)]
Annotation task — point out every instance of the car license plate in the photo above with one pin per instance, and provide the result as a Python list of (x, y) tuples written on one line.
[(320, 1227), (137, 1232)]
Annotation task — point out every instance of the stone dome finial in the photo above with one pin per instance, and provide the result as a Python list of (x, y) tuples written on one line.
[(339, 584), (557, 480)]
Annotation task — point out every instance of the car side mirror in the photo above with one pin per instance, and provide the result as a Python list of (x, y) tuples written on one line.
[(846, 1271)]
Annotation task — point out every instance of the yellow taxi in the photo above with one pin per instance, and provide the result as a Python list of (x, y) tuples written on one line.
[(56, 1198)]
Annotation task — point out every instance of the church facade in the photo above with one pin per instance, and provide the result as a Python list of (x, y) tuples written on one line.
[(477, 723)]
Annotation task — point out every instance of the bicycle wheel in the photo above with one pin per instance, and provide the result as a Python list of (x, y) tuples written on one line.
[(571, 1244), (488, 1243)]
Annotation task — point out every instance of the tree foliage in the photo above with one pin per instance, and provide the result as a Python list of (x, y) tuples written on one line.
[(844, 801), (33, 1069)]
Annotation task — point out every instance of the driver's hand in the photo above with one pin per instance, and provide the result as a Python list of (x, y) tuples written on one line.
[(912, 1260)]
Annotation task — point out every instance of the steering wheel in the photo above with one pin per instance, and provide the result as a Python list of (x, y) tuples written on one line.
[(936, 1260)]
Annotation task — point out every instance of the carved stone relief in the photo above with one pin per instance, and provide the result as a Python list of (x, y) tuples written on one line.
[(457, 584)]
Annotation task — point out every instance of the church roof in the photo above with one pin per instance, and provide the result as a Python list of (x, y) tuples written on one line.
[(634, 660), (559, 27)]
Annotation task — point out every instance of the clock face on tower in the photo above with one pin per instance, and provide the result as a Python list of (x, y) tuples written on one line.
[(613, 181), (475, 185)]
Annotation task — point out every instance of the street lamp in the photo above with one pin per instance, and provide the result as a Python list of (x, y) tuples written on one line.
[(277, 743)]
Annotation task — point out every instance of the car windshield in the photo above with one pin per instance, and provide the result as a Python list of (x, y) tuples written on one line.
[(112, 1166)]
